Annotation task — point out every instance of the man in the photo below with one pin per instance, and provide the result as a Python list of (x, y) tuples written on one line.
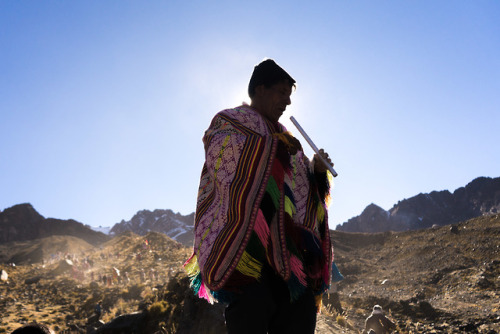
[(262, 242), (378, 323), (98, 310), (33, 328)]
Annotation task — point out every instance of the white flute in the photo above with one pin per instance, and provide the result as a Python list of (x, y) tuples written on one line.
[(310, 142)]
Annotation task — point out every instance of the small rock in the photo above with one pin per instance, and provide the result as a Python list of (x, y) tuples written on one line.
[(485, 283), (427, 309), (420, 295), (468, 327)]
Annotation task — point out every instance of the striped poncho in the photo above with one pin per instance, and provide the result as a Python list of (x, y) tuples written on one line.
[(258, 205)]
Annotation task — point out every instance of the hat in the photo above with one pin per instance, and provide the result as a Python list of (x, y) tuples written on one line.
[(377, 309), (268, 73)]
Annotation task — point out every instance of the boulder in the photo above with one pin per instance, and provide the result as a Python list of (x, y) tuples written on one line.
[(125, 323), (4, 276), (427, 309), (32, 280)]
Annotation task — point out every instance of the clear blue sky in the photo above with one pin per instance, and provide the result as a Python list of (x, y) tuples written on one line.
[(103, 103)]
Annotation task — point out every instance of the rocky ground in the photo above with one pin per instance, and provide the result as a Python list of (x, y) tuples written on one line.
[(442, 280)]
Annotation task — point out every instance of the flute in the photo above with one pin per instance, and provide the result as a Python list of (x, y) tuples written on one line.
[(310, 142)]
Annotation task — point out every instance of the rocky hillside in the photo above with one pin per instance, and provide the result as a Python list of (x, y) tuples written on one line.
[(479, 197), (44, 249), (22, 222), (127, 275), (437, 280), (174, 225)]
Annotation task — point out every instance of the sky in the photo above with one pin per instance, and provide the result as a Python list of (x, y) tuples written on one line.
[(103, 104)]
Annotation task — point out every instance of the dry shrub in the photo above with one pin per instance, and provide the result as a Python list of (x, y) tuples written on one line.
[(134, 292), (401, 330), (327, 309), (159, 309), (88, 306), (147, 293), (341, 320), (360, 312), (119, 308)]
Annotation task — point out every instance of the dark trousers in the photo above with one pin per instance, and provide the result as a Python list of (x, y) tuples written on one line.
[(265, 307)]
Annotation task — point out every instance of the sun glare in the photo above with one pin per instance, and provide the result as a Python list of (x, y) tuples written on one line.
[(239, 97)]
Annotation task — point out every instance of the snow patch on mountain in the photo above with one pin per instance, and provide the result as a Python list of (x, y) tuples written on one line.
[(176, 226), (102, 229)]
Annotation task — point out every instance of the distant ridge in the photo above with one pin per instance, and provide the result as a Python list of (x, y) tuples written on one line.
[(22, 223), (479, 197), (174, 225), (38, 250)]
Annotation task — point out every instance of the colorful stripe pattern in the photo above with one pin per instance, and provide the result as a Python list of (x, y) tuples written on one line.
[(257, 205)]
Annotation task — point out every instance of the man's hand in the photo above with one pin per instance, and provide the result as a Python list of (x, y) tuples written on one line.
[(292, 143), (319, 166)]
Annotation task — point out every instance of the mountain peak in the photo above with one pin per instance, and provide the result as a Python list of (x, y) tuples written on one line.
[(174, 225), (22, 222), (479, 197)]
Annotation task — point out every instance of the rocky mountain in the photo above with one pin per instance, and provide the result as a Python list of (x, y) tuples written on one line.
[(22, 222), (479, 197), (174, 225)]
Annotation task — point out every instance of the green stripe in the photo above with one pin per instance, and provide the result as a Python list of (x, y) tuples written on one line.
[(273, 190)]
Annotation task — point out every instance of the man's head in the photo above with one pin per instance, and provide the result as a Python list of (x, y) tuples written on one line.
[(33, 328), (269, 89)]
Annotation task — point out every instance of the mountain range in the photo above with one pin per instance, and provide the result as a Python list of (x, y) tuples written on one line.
[(480, 197)]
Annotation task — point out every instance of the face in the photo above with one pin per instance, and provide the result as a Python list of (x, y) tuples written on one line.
[(272, 101)]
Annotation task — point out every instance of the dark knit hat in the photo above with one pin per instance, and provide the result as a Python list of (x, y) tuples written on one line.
[(33, 328), (267, 73)]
